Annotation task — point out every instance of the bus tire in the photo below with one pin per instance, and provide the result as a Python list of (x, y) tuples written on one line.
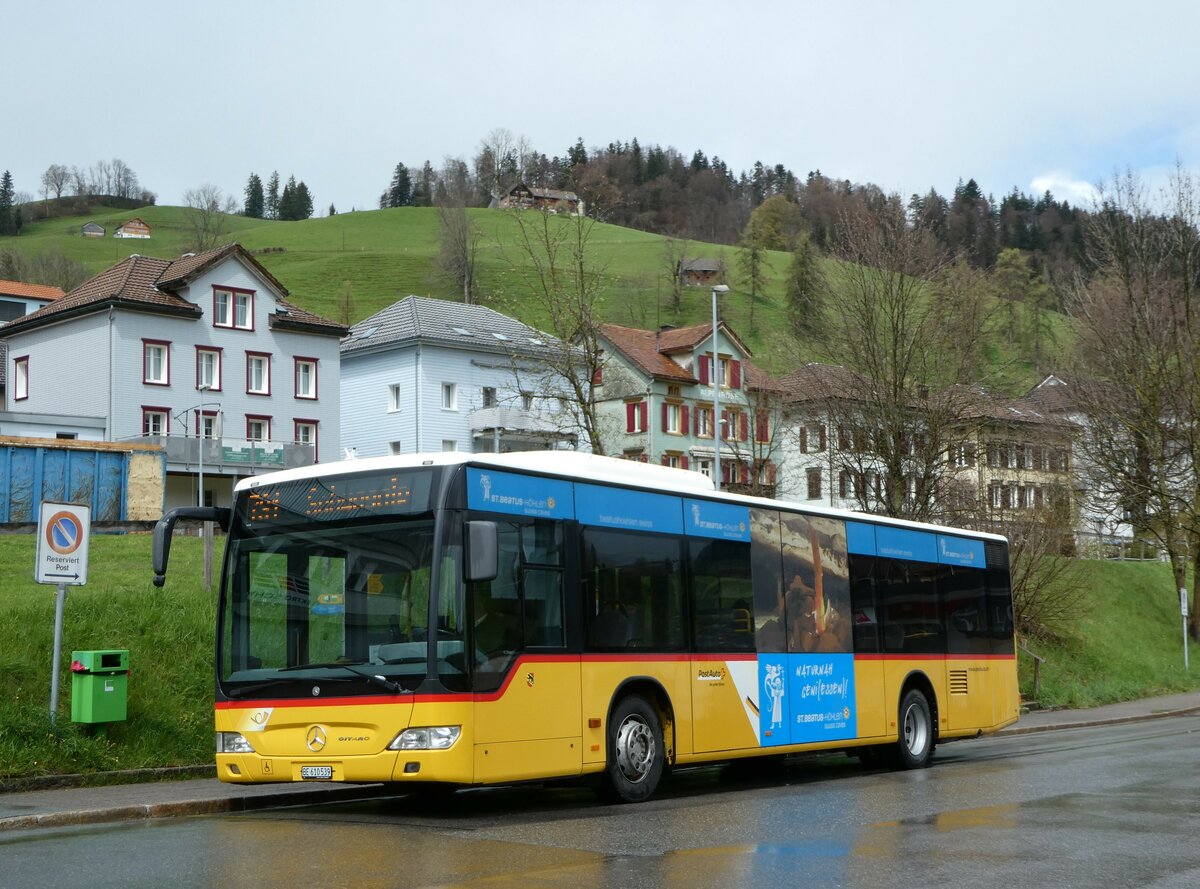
[(914, 748), (636, 753)]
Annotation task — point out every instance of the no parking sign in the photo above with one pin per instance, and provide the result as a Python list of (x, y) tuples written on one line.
[(62, 544)]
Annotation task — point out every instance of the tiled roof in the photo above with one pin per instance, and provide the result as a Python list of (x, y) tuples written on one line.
[(147, 283), (700, 264), (451, 323), (758, 380), (820, 382), (641, 347), (33, 291)]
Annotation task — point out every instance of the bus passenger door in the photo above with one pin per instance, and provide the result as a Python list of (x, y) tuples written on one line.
[(527, 688)]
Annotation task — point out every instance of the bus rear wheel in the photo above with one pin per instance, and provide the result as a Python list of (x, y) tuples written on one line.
[(636, 753), (914, 749)]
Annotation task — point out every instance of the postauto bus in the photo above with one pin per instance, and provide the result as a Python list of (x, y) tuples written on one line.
[(453, 620)]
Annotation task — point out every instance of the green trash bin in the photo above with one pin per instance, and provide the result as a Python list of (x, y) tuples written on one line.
[(99, 685)]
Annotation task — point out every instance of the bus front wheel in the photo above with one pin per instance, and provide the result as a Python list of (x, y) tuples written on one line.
[(915, 746), (636, 754)]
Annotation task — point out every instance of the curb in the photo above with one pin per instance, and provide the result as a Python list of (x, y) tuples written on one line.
[(212, 806), (1019, 729)]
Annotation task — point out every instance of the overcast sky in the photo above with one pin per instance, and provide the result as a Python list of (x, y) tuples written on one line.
[(1034, 94)]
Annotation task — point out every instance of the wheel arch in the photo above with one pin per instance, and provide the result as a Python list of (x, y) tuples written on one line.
[(653, 691), (920, 680)]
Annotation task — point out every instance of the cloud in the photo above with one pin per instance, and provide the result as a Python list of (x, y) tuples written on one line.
[(1076, 192)]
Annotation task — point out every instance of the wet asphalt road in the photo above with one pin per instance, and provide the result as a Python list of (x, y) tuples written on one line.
[(1103, 807)]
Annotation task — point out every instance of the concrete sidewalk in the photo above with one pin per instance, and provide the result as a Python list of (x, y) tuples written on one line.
[(61, 807)]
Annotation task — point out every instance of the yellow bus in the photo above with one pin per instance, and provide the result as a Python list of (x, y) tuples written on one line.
[(457, 620)]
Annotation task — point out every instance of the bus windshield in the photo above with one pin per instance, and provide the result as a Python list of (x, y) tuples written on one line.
[(342, 603)]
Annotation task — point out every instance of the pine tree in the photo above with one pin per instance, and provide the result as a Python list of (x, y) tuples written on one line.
[(304, 202), (399, 193), (254, 198), (805, 285), (6, 205), (272, 200), (287, 200)]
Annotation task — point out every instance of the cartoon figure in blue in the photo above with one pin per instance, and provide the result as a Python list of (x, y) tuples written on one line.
[(774, 685)]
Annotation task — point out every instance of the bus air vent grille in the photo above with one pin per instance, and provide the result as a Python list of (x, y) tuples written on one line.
[(958, 682)]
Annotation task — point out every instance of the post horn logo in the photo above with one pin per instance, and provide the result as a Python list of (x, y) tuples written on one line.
[(315, 739)]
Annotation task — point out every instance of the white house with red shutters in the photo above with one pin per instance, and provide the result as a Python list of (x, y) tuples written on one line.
[(203, 354), (659, 392)]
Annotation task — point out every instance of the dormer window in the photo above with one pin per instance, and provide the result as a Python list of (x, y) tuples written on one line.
[(233, 308)]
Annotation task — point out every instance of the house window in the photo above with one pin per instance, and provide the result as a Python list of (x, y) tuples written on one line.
[(526, 401), (395, 448), (735, 423), (813, 477), (762, 427), (704, 467), (489, 396), (812, 438), (393, 398), (154, 420), (449, 444), (21, 378), (258, 428), (449, 397), (672, 417), (156, 363), (306, 378), (674, 392), (962, 455), (233, 308), (704, 423), (258, 373), (675, 460), (306, 434), (207, 425), (635, 416), (208, 369)]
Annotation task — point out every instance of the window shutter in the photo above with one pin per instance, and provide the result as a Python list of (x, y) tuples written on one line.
[(803, 439), (696, 421), (735, 374), (684, 422), (683, 461), (598, 376), (664, 418), (644, 408), (771, 473), (704, 370), (744, 473), (762, 430), (630, 424), (744, 427), (665, 460), (821, 429)]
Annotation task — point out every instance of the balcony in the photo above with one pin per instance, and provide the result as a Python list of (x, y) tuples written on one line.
[(230, 456), (502, 428)]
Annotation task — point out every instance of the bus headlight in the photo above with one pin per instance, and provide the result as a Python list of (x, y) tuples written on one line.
[(434, 737), (232, 742)]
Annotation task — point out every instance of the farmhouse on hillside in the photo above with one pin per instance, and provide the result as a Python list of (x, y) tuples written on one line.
[(134, 228)]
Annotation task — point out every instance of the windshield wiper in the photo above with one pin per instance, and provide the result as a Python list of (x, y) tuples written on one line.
[(374, 678)]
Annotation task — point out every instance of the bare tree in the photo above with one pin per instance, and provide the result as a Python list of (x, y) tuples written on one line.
[(674, 252), (909, 328), (455, 260), (206, 216), (55, 180), (557, 273), (1139, 348)]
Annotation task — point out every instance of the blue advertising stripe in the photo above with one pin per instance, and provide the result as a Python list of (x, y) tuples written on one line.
[(526, 495), (806, 698), (960, 551), (633, 510), (860, 538), (723, 521), (901, 543)]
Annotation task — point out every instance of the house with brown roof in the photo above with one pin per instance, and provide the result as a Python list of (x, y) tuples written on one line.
[(555, 200), (660, 394), (134, 228), (700, 271), (204, 354), (992, 457), (18, 298), (93, 230)]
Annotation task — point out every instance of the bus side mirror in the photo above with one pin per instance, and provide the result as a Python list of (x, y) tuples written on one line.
[(165, 527), (482, 561)]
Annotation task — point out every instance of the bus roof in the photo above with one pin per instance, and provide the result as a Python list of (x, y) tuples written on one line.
[(589, 467)]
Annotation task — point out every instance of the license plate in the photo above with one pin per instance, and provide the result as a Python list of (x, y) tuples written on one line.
[(316, 772)]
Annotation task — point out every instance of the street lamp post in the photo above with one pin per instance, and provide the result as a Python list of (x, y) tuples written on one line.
[(202, 388), (716, 380)]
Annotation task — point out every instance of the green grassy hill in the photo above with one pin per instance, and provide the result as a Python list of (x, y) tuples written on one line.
[(1126, 644), (385, 255)]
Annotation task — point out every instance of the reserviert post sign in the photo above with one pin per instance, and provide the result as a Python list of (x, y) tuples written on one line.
[(62, 544)]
